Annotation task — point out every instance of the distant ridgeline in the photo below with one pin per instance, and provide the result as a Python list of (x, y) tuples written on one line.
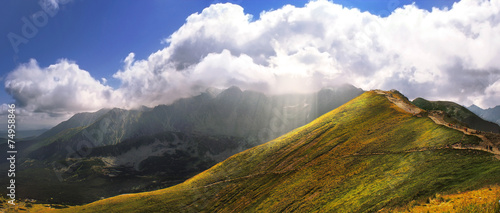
[(491, 114), (374, 153), (114, 151), (461, 114)]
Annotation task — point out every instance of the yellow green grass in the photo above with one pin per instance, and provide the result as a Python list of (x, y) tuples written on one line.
[(482, 200), (364, 156)]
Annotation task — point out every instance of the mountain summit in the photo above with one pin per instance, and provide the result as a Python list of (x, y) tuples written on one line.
[(490, 114), (123, 151), (374, 152)]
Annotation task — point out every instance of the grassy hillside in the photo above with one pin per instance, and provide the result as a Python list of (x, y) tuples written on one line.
[(129, 146), (245, 114), (482, 200), (460, 113), (363, 156)]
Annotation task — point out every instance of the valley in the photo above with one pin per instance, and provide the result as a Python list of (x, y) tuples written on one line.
[(371, 145), (114, 151), (250, 106)]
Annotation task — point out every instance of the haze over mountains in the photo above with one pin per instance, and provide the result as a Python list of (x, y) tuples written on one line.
[(378, 140), (490, 114), (134, 150), (247, 106), (270, 50), (375, 152)]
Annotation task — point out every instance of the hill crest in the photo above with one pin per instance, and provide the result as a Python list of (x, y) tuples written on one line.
[(368, 146)]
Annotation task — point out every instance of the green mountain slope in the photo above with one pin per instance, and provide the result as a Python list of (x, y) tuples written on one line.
[(63, 131), (126, 151), (366, 155), (460, 113), (78, 120), (246, 114)]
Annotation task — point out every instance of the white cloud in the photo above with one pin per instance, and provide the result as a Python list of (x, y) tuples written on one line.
[(443, 54), (61, 88), (237, 70), (449, 54)]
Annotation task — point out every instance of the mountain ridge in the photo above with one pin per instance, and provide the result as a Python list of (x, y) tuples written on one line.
[(463, 115), (369, 146), (77, 120), (490, 114), (229, 98), (166, 144)]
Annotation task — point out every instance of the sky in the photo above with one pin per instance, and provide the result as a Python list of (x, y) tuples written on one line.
[(61, 57)]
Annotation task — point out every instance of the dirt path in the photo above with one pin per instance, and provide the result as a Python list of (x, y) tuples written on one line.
[(437, 117), (486, 145), (408, 107), (343, 156)]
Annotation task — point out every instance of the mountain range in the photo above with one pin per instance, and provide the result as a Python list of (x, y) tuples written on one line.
[(118, 151), (374, 153), (331, 150), (491, 114)]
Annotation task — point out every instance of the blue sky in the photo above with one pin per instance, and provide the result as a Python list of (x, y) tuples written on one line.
[(98, 35), (92, 54)]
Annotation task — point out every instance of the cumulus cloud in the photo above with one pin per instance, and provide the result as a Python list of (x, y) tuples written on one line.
[(448, 54), (59, 89), (442, 54)]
